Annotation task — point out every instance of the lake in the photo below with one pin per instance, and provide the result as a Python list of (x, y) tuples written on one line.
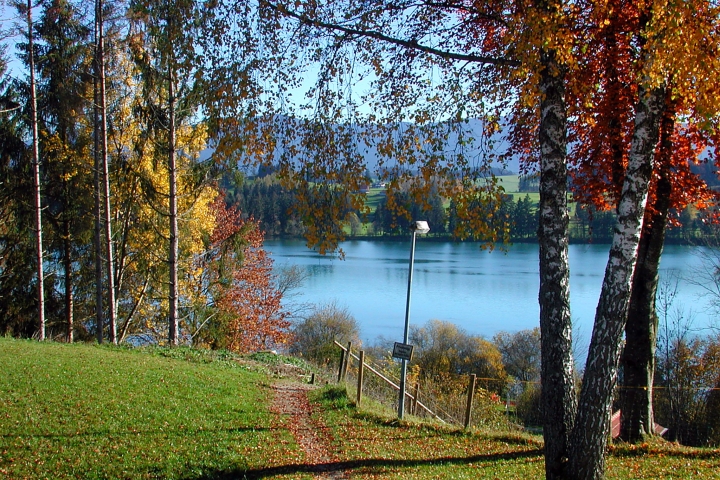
[(482, 292)]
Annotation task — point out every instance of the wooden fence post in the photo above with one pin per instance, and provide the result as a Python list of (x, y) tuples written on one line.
[(393, 385), (342, 362), (470, 398), (416, 399), (361, 370), (346, 363)]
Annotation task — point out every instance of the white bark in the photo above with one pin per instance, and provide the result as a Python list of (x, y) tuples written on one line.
[(173, 254), (99, 314), (36, 181), (558, 394), (112, 308), (592, 426)]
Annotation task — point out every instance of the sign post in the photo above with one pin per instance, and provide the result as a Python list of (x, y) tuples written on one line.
[(403, 351)]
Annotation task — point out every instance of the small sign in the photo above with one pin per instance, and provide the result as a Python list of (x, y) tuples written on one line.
[(403, 351)]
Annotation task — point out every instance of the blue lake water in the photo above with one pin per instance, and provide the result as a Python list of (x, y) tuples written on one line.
[(482, 292)]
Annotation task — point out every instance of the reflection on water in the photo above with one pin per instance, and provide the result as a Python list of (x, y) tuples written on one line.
[(480, 291)]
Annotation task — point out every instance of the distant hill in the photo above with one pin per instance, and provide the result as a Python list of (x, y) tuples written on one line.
[(478, 149), (495, 145)]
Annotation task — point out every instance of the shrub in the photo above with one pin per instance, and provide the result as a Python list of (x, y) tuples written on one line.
[(314, 336), (443, 348), (685, 403), (527, 407)]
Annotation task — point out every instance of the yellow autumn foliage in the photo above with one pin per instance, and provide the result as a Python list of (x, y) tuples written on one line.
[(140, 205)]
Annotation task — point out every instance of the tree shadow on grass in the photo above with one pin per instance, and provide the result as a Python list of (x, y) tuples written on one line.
[(116, 433), (370, 463), (625, 451)]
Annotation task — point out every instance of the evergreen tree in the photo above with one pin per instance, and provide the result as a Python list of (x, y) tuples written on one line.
[(18, 292), (63, 96), (524, 219)]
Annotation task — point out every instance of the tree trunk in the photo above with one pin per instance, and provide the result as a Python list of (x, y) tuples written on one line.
[(99, 322), (592, 425), (36, 181), (173, 256), (112, 309), (558, 394), (638, 360), (67, 266)]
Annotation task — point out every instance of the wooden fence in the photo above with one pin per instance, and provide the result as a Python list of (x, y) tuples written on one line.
[(414, 403)]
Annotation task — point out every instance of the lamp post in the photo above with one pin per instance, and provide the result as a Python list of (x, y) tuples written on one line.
[(420, 227)]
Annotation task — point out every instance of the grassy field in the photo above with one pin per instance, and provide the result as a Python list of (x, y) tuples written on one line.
[(83, 411), (509, 182), (373, 198)]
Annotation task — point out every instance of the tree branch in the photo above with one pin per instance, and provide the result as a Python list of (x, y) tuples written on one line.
[(409, 44)]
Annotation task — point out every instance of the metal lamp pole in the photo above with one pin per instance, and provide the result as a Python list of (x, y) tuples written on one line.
[(418, 227)]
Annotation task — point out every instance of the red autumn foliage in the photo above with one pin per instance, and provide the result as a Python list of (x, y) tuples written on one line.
[(602, 122), (601, 95), (245, 289)]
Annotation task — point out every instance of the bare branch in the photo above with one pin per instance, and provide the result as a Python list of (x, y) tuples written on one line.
[(409, 44)]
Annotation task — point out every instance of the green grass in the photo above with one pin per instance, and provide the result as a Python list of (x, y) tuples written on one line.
[(510, 183), (376, 446), (373, 198), (82, 411)]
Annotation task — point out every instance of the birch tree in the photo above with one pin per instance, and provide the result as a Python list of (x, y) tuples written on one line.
[(102, 177), (601, 137), (36, 174), (65, 86)]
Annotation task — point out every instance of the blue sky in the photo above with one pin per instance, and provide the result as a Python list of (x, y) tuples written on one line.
[(8, 20)]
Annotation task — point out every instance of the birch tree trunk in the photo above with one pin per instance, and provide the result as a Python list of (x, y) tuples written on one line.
[(173, 254), (67, 266), (638, 359), (558, 394), (112, 308), (99, 315), (36, 180), (592, 425)]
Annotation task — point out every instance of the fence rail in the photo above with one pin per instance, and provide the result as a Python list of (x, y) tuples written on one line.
[(689, 414), (415, 403)]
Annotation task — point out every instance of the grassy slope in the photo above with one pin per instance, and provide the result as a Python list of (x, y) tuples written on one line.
[(384, 448), (508, 182), (81, 411)]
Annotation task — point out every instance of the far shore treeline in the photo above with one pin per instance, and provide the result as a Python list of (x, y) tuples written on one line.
[(267, 201)]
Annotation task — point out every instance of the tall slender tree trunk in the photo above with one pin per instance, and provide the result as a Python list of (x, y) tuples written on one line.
[(67, 266), (173, 254), (112, 308), (558, 394), (99, 314), (36, 180), (638, 359), (592, 424)]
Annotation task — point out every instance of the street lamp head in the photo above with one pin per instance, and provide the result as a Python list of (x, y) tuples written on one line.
[(420, 227)]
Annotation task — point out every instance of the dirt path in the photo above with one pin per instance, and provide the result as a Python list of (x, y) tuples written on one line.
[(291, 400)]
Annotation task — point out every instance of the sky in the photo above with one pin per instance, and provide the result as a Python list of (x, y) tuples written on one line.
[(8, 20)]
